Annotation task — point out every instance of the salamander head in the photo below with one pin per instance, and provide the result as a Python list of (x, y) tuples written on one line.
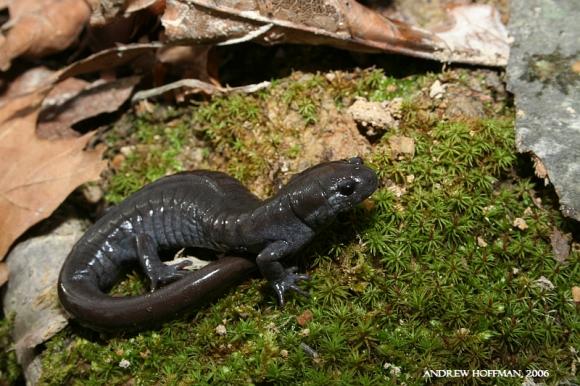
[(321, 192)]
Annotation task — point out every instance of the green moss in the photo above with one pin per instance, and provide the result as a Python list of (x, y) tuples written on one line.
[(10, 371), (159, 144), (432, 275)]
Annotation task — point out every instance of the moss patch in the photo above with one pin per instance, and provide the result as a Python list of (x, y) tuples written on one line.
[(10, 371), (431, 274)]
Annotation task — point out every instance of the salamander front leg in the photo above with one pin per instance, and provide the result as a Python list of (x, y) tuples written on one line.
[(158, 273), (280, 279)]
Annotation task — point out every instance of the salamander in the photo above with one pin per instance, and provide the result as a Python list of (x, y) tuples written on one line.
[(209, 210)]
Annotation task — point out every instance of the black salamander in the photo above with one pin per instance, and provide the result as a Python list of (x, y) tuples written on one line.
[(208, 210)]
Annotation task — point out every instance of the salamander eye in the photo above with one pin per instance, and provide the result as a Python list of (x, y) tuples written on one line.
[(346, 187)]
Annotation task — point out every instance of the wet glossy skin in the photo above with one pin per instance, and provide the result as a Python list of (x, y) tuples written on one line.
[(208, 210)]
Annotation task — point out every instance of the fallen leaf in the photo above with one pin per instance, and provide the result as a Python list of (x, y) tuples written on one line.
[(185, 62), (105, 11), (540, 169), (35, 174), (64, 109), (4, 273), (107, 59), (41, 27), (28, 81), (475, 35), (560, 244)]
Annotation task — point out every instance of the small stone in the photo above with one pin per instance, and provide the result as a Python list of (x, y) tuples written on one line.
[(560, 245), (127, 150), (481, 242), (92, 193), (124, 364), (520, 223), (463, 331), (436, 90), (375, 115), (221, 329), (401, 145), (304, 332), (544, 283), (397, 190), (576, 294), (393, 370)]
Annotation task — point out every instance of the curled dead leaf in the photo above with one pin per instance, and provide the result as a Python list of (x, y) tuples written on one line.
[(475, 34), (28, 81), (36, 175), (72, 105), (540, 169), (4, 273), (41, 27)]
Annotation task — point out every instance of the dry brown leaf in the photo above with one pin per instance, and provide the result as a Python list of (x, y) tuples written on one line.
[(4, 273), (28, 81), (43, 27), (105, 11), (137, 5), (540, 169), (475, 34), (107, 59), (68, 106), (35, 174)]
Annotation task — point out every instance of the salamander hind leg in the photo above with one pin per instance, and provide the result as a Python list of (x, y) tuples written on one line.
[(158, 273)]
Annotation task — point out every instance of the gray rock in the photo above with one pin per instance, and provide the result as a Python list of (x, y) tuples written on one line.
[(31, 291), (544, 75)]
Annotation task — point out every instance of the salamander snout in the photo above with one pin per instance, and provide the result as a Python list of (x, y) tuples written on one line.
[(347, 183), (367, 180)]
